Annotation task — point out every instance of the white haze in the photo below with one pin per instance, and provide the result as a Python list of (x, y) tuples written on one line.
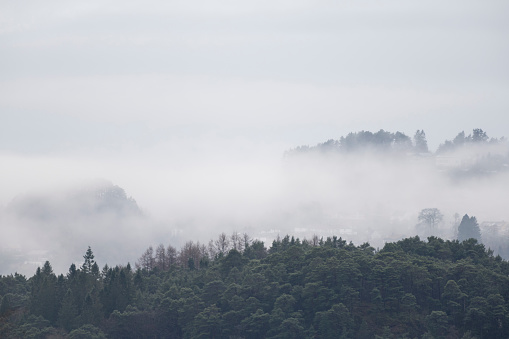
[(190, 106), (365, 196)]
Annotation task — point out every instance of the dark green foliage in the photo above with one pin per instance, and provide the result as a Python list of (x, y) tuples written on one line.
[(15, 284), (68, 311), (87, 332), (334, 323), (132, 323), (118, 289), (5, 305), (436, 323), (208, 323), (255, 250), (256, 325), (409, 289), (44, 300), (232, 260), (91, 310), (35, 327)]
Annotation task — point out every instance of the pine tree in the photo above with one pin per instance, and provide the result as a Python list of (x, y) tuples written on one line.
[(469, 228), (89, 261)]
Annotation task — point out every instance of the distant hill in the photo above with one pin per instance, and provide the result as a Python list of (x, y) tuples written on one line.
[(366, 140), (87, 202), (465, 156), (50, 225)]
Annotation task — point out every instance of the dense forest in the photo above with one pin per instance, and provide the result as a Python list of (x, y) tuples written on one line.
[(237, 288)]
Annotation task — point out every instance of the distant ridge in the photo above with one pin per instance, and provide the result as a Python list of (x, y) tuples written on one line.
[(85, 202)]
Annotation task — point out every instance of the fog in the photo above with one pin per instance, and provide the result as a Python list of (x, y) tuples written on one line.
[(55, 208), (190, 109)]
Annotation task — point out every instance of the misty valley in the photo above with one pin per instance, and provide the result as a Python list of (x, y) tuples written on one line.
[(371, 235)]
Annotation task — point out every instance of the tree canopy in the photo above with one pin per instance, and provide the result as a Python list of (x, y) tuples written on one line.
[(321, 288)]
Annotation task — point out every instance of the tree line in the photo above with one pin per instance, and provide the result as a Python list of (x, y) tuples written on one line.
[(397, 142), (379, 141), (317, 288)]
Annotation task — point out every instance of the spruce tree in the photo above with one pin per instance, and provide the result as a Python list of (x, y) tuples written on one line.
[(89, 261), (469, 228)]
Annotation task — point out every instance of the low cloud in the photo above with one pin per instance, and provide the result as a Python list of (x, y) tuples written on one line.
[(361, 196)]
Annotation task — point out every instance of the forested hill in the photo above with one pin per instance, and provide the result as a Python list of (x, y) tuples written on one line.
[(398, 142), (60, 222), (323, 288), (379, 141), (91, 202)]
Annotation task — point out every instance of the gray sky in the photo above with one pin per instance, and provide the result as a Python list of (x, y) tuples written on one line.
[(171, 99), (104, 74)]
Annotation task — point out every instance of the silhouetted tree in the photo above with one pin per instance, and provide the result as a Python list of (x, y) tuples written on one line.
[(430, 217), (469, 228), (421, 144), (478, 135), (146, 261), (89, 261)]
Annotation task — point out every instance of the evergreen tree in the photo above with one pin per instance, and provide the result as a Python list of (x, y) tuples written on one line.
[(43, 296), (68, 312), (71, 276), (436, 324), (409, 289), (95, 270), (91, 310), (421, 144), (469, 228), (89, 261)]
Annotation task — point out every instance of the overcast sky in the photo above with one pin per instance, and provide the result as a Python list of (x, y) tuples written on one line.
[(97, 86), (75, 76), (189, 105)]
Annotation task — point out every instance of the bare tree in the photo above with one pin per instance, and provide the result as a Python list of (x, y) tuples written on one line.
[(236, 241), (146, 261), (203, 250), (192, 250), (171, 256), (160, 259), (213, 252), (455, 225), (314, 240), (247, 240), (431, 217), (222, 244)]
